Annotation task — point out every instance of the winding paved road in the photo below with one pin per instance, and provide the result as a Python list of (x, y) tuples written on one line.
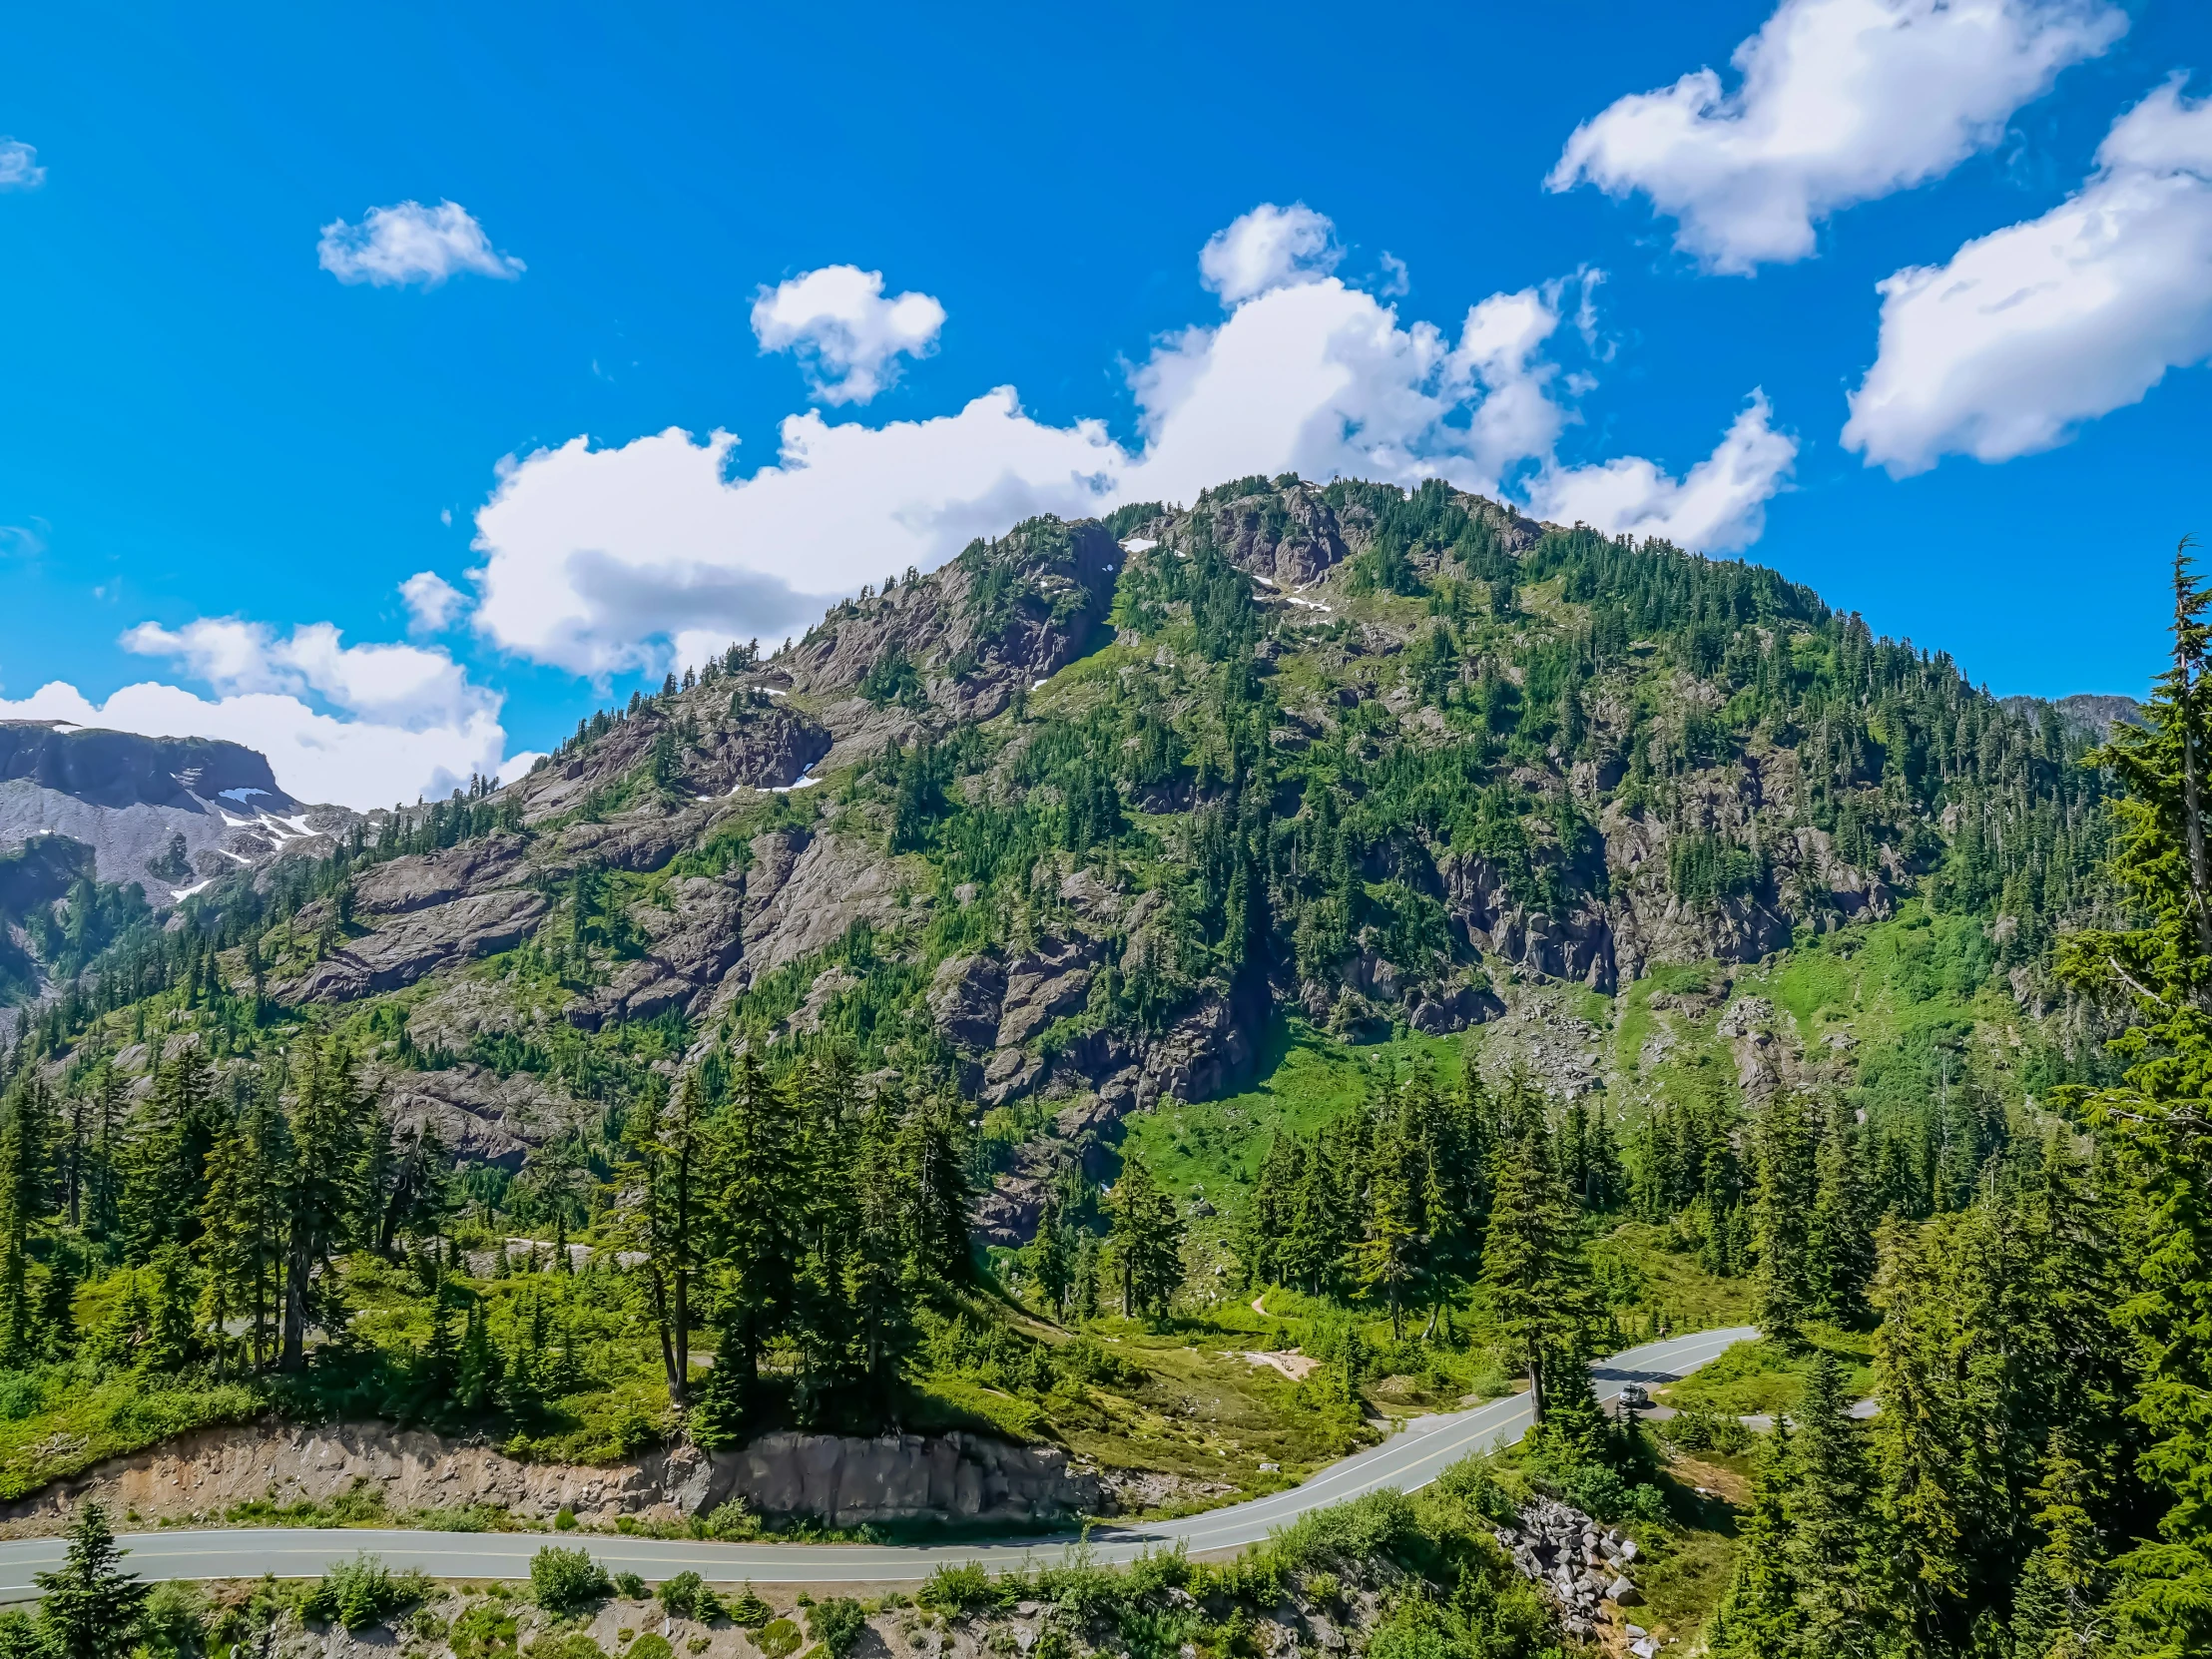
[(1406, 1460)]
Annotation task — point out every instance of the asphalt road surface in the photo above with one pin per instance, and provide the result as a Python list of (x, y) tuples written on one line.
[(1406, 1460)]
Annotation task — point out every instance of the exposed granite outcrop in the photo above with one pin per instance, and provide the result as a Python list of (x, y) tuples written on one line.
[(417, 942), (838, 1480)]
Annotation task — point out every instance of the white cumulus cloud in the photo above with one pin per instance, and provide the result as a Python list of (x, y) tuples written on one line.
[(432, 602), (1718, 506), (397, 721), (409, 242), (19, 166), (2032, 329), (1840, 100), (845, 331), (602, 560), (1269, 248)]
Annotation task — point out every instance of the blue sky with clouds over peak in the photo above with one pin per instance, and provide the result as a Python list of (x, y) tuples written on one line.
[(388, 389)]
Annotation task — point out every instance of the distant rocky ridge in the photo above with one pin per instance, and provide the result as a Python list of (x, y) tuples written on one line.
[(2091, 713), (129, 798)]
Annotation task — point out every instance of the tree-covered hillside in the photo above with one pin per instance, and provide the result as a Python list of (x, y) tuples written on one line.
[(1058, 986)]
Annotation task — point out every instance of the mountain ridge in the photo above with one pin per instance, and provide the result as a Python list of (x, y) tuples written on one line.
[(992, 820)]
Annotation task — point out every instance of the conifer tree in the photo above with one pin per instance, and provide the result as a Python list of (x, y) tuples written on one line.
[(1386, 1260), (91, 1608), (318, 1194), (171, 1324), (756, 1216), (2162, 970), (1147, 1241), (1839, 1252), (931, 1156), (230, 1260), (165, 1164), (1829, 1503), (1052, 1259), (478, 1369), (663, 1148), (22, 1208), (877, 1284), (1783, 1195), (1532, 1266), (1758, 1613)]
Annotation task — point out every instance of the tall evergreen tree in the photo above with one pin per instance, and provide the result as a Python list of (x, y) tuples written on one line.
[(91, 1608), (664, 1151), (1783, 1194), (758, 1206), (1839, 1252), (1147, 1239), (1532, 1266), (319, 1191)]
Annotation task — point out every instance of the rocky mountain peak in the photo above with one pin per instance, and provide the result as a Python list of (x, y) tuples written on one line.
[(169, 814)]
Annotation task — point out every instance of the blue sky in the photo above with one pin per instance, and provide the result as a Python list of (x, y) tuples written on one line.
[(260, 375)]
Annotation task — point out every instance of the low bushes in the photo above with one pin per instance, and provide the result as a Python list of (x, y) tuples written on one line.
[(837, 1624), (568, 1580)]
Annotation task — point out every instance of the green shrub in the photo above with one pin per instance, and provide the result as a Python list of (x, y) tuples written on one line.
[(731, 1521), (173, 1625), (1490, 1489), (485, 1630), (651, 1645), (778, 1639), (20, 1637), (955, 1591), (837, 1624), (747, 1610), (565, 1644), (629, 1587), (566, 1580), (1087, 1359), (1367, 1526), (1599, 1491), (564, 1520), (1700, 1430), (360, 1592), (686, 1596), (1322, 1588)]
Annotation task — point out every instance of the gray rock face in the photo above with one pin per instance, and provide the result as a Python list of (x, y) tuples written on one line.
[(901, 1478), (1290, 536), (728, 739), (1043, 986), (965, 1002), (696, 941), (832, 883), (419, 942), (478, 1115), (122, 768), (402, 885), (1000, 615), (126, 797)]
